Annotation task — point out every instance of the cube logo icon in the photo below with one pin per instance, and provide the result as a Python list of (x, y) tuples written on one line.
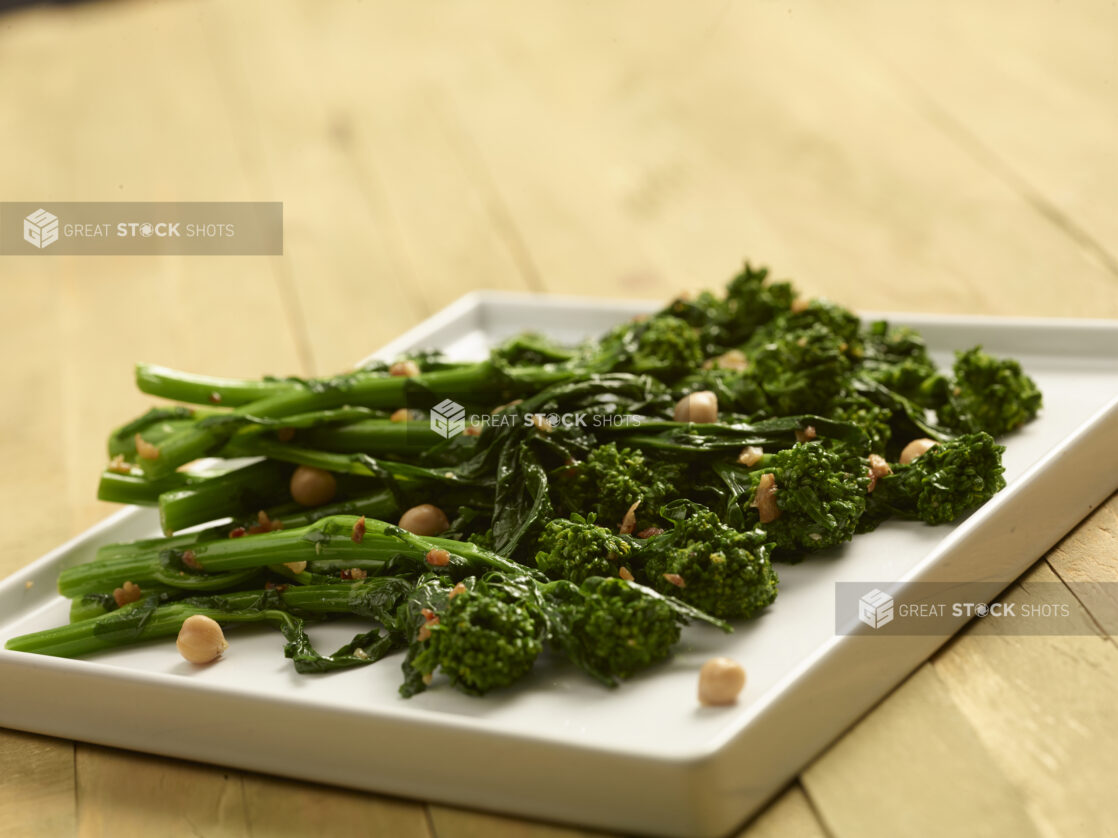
[(875, 609), (40, 228), (448, 418)]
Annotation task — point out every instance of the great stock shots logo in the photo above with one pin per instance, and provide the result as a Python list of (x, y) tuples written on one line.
[(875, 609), (141, 228), (448, 418), (40, 228), (942, 608)]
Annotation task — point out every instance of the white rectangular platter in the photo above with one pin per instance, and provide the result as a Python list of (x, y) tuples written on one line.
[(645, 757)]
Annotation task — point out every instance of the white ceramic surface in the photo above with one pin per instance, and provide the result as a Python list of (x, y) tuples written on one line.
[(643, 758)]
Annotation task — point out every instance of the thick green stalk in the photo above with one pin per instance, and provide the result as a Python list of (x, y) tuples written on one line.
[(362, 389), (228, 495), (207, 389), (329, 538), (138, 488), (154, 426), (115, 487), (101, 602), (379, 504), (121, 628), (143, 569), (149, 619), (358, 464), (92, 605), (373, 436), (174, 542)]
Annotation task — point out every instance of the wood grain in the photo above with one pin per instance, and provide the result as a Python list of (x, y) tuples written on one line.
[(129, 795), (916, 739), (617, 149), (1006, 684), (1021, 98), (463, 823), (1084, 561), (37, 786), (789, 814), (280, 808)]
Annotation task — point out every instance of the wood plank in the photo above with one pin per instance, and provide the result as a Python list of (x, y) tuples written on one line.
[(1028, 90), (1086, 562), (124, 794), (387, 220), (37, 787), (36, 515), (78, 336), (449, 822), (788, 814), (675, 148), (220, 315), (36, 772), (279, 808), (1042, 707), (915, 766), (33, 509)]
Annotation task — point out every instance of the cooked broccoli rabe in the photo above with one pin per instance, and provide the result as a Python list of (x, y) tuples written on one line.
[(989, 395), (726, 322), (610, 480), (535, 544), (481, 636), (752, 301), (722, 571), (801, 371), (820, 494), (867, 415), (941, 485), (661, 345), (577, 549), (840, 322), (486, 633), (917, 379), (613, 628)]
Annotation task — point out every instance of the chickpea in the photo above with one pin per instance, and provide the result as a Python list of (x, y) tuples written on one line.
[(312, 486), (425, 519), (915, 449), (700, 407), (201, 639), (721, 680)]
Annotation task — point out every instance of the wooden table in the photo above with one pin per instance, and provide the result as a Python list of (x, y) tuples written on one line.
[(951, 157)]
